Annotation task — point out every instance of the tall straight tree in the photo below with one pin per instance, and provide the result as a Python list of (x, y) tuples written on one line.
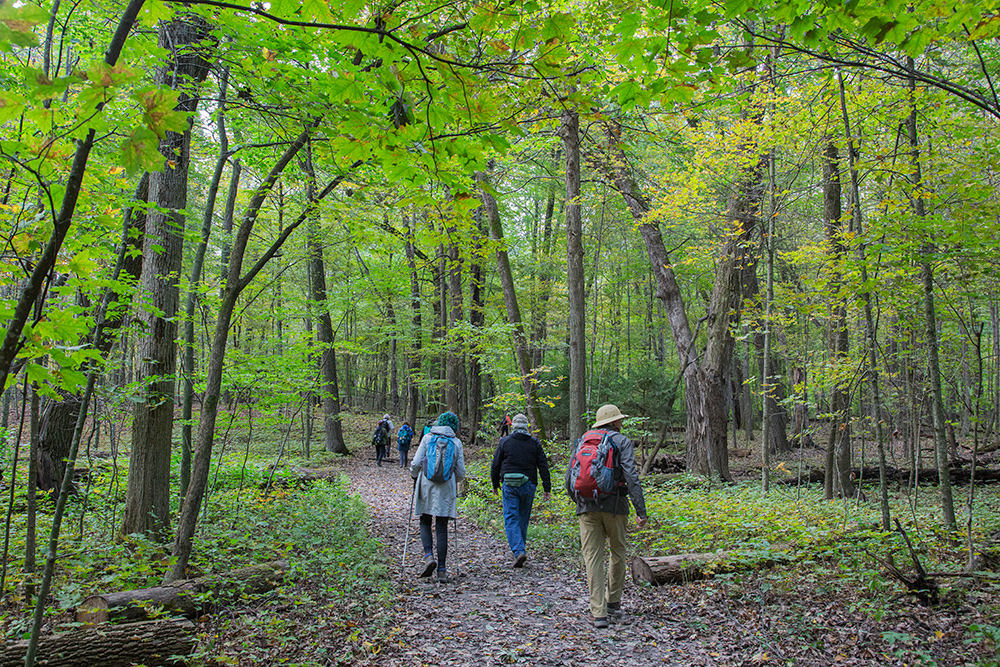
[(147, 499), (332, 430), (413, 356), (569, 131), (510, 301), (930, 316), (838, 451)]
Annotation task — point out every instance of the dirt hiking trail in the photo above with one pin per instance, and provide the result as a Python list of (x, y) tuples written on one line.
[(492, 614)]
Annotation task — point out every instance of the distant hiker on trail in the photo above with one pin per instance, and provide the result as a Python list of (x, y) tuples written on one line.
[(380, 438), (503, 426), (438, 467), (518, 461), (431, 423), (601, 477), (403, 439)]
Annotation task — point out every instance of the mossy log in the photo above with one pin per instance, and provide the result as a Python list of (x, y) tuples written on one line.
[(151, 643), (181, 598), (679, 569)]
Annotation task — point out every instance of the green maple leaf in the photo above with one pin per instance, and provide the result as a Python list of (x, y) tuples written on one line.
[(140, 151)]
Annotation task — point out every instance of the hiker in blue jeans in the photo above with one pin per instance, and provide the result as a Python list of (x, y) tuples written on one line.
[(518, 462)]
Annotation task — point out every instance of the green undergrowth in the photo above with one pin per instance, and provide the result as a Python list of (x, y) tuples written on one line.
[(787, 531), (337, 572)]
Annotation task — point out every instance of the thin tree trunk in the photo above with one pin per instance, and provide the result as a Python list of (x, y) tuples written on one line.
[(332, 429), (838, 458), (413, 358), (235, 284), (870, 342), (510, 300), (454, 348), (191, 304), (570, 133), (930, 330)]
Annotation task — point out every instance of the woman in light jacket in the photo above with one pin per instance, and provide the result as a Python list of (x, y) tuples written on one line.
[(437, 499)]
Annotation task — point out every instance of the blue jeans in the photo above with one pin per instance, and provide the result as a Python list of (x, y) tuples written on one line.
[(517, 502), (404, 455)]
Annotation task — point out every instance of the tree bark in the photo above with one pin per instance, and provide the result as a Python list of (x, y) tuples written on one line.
[(332, 428), (183, 598), (838, 456), (147, 498), (191, 304), (569, 131), (152, 643), (413, 358), (456, 368), (679, 569)]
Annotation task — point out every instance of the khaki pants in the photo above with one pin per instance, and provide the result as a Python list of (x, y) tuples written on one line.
[(605, 584)]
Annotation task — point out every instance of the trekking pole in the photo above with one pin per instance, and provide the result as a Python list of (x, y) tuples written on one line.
[(409, 520), (454, 556)]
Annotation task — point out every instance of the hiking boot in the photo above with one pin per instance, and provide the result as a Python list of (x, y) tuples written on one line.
[(428, 566), (615, 614), (519, 559), (442, 576), (600, 621)]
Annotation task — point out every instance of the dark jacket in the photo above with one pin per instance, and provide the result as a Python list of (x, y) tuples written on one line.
[(521, 453), (627, 477)]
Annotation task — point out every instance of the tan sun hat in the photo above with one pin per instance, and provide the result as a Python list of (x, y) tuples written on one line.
[(607, 414)]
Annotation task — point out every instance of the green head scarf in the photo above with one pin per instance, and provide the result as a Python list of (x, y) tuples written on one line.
[(449, 419)]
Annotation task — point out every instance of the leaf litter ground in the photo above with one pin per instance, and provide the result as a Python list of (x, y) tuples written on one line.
[(492, 614)]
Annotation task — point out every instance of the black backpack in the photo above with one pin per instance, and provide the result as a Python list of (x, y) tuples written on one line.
[(381, 435)]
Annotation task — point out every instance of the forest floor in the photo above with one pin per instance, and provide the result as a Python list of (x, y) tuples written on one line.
[(492, 614)]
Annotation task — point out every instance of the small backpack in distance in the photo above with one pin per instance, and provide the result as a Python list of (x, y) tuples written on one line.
[(592, 467)]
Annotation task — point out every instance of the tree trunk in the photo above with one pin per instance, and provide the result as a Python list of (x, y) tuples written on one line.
[(870, 342), (183, 598), (455, 366), (510, 300), (235, 284), (413, 358), (838, 457), (191, 305), (59, 417), (679, 569), (570, 132), (332, 429), (147, 499), (930, 322), (152, 643)]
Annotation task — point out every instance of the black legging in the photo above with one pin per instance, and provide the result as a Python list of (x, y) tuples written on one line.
[(427, 540)]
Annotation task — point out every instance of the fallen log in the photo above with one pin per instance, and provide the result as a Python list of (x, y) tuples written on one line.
[(898, 475), (181, 598), (151, 643), (298, 478), (679, 569)]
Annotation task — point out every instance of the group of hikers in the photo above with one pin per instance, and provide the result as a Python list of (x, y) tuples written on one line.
[(601, 477)]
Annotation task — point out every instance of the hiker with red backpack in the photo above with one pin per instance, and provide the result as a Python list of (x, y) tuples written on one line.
[(601, 478), (437, 468), (518, 463)]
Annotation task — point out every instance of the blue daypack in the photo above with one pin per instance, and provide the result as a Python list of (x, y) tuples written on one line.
[(439, 459)]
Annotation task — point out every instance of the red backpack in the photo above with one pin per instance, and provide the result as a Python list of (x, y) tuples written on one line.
[(592, 466)]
